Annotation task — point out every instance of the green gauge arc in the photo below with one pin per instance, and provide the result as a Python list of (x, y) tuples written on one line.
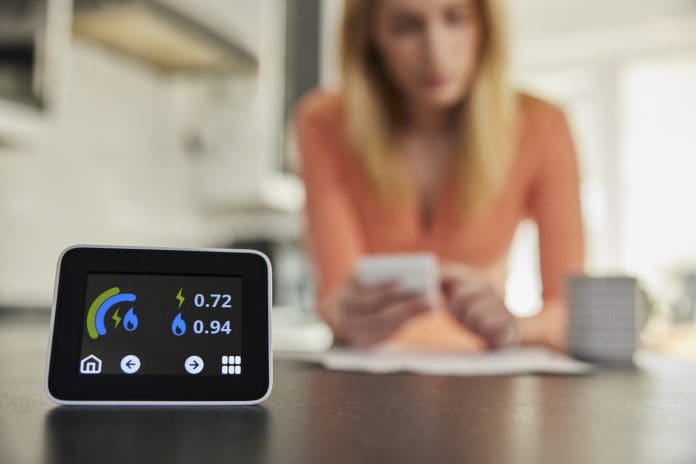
[(94, 307)]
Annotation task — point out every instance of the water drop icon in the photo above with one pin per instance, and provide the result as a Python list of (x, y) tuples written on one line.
[(178, 325), (130, 321)]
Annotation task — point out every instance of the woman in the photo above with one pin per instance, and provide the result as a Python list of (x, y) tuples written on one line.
[(428, 148)]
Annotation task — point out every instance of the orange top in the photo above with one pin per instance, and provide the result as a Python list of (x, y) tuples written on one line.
[(345, 221)]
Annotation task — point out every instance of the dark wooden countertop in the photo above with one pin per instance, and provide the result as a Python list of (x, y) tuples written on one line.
[(320, 416)]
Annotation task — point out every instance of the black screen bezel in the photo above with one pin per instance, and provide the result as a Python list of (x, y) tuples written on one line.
[(65, 383)]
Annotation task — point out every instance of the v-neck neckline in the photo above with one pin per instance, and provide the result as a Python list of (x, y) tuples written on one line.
[(441, 204)]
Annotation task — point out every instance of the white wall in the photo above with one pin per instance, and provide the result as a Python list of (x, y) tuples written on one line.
[(102, 174), (658, 164), (604, 61), (113, 167)]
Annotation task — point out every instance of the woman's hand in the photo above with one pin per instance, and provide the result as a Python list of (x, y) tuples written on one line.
[(364, 316), (477, 306)]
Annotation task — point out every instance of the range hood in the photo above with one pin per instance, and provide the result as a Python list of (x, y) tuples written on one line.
[(161, 33)]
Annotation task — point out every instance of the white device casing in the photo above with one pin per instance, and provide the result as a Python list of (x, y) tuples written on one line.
[(161, 403)]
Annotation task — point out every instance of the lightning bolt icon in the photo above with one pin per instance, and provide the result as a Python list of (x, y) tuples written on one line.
[(180, 297), (116, 318)]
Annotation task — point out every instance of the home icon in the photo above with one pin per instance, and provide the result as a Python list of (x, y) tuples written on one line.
[(90, 365)]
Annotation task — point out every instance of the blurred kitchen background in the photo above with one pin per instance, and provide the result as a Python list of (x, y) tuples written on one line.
[(167, 123)]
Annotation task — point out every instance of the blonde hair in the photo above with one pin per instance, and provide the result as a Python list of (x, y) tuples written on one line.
[(486, 118)]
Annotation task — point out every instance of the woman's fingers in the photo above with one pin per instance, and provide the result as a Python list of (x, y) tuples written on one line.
[(395, 314), (366, 315), (373, 299), (477, 306), (370, 314), (371, 302), (373, 328), (356, 299), (495, 328), (465, 294), (452, 275)]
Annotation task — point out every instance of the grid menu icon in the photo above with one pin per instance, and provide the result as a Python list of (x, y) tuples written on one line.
[(231, 365)]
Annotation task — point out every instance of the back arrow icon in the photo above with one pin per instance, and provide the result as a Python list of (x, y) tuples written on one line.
[(130, 364)]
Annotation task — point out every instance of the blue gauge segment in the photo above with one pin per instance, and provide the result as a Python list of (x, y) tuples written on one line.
[(132, 320)]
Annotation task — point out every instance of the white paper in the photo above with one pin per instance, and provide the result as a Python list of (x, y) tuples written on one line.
[(522, 360)]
